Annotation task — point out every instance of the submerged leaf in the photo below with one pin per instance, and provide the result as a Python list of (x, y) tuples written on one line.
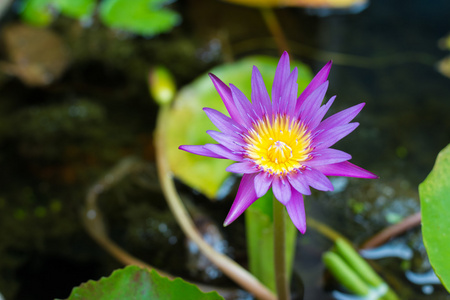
[(435, 203), (188, 123), (144, 17), (136, 283)]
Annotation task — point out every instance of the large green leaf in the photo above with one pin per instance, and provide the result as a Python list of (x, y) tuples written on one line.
[(144, 17), (259, 232), (188, 123), (435, 206), (135, 283)]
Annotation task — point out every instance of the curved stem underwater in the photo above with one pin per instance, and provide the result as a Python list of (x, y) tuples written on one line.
[(229, 267), (279, 243)]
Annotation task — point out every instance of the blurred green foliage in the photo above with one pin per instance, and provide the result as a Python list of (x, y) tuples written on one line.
[(143, 17), (138, 16)]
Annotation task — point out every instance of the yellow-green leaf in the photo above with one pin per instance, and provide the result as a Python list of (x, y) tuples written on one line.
[(435, 206)]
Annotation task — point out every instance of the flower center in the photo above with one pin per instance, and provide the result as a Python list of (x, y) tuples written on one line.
[(278, 146), (279, 152)]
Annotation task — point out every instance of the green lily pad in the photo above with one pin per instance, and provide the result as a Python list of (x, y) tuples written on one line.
[(78, 9), (135, 283), (144, 17), (435, 203), (188, 123)]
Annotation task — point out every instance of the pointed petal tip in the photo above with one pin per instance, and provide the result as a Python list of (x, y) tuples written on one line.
[(372, 175), (326, 69), (212, 76), (360, 106), (365, 174), (231, 217), (296, 210)]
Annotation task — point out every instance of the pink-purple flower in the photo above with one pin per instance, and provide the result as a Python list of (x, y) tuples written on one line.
[(280, 143)]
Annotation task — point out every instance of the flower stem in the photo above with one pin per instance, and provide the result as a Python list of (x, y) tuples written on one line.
[(279, 241)]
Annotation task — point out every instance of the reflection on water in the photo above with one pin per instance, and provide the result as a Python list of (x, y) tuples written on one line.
[(392, 249), (424, 279), (374, 294)]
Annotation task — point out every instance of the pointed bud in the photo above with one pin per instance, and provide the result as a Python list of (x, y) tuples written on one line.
[(162, 85)]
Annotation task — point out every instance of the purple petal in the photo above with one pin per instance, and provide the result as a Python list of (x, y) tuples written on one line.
[(281, 75), (245, 197), (223, 152), (311, 105), (234, 143), (245, 167), (289, 96), (225, 93), (244, 106), (263, 181), (318, 181), (318, 80), (260, 97), (341, 118), (222, 122), (298, 182), (281, 189), (296, 210), (327, 156), (345, 169), (329, 137), (200, 150), (315, 121)]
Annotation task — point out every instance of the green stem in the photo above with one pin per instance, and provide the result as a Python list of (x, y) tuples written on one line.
[(279, 241)]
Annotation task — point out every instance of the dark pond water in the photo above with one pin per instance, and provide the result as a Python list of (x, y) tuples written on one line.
[(58, 139)]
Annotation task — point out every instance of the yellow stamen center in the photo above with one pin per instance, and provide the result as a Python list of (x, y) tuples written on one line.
[(278, 146)]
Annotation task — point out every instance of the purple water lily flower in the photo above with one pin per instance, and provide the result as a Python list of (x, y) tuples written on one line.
[(283, 143)]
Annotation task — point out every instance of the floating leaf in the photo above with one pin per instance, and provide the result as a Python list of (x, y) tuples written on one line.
[(133, 282), (435, 203), (145, 17), (78, 9), (188, 123)]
